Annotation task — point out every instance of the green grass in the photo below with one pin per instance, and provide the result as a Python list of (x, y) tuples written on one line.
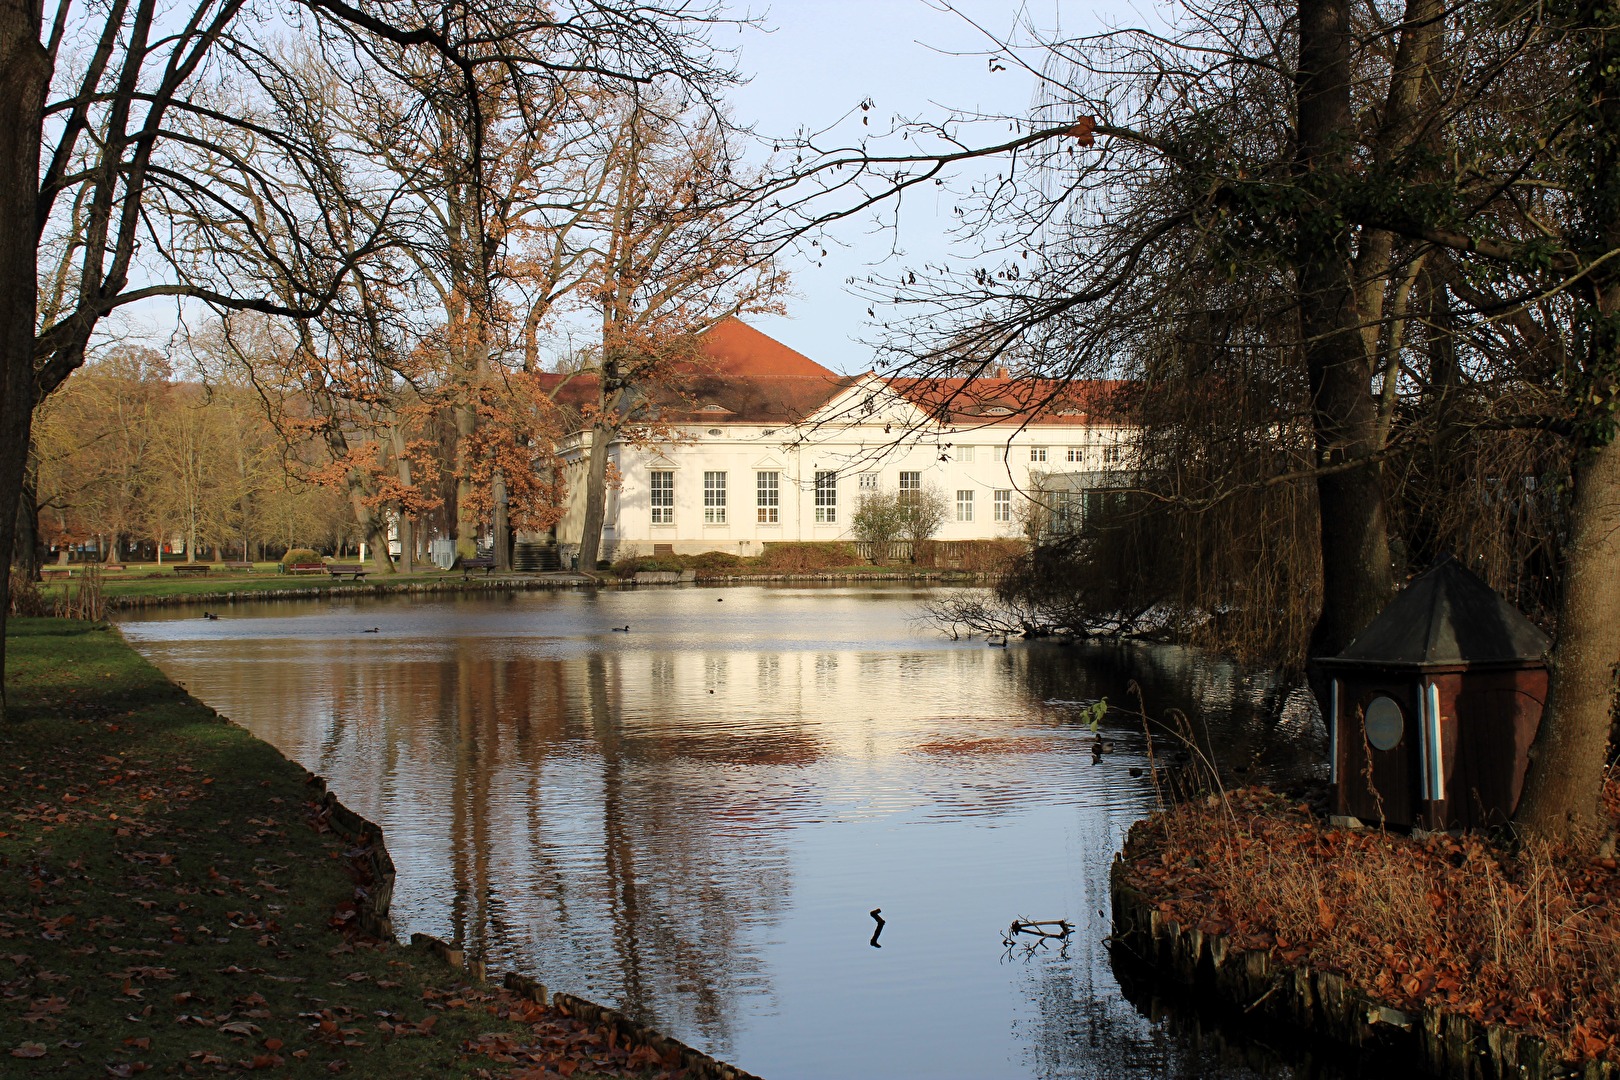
[(168, 903), (143, 581)]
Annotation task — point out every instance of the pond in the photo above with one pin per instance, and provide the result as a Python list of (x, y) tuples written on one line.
[(691, 819)]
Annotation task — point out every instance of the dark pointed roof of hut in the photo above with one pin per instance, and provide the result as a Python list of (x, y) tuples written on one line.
[(1448, 616)]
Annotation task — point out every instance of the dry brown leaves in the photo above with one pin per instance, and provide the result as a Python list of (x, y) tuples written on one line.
[(1530, 939)]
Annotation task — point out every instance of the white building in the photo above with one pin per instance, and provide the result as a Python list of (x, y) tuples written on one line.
[(764, 445)]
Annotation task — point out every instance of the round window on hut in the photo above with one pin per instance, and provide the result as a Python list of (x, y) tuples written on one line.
[(1385, 724)]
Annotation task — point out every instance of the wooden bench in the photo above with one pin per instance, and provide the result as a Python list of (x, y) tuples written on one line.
[(192, 568), (247, 566), (48, 572), (486, 563), (353, 571), (305, 568)]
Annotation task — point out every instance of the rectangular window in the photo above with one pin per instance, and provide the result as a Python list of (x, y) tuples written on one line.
[(1077, 453), (1037, 453), (769, 502), (910, 481), (662, 488), (714, 498), (964, 454), (1111, 454), (964, 505), (826, 498), (868, 481), (1002, 504)]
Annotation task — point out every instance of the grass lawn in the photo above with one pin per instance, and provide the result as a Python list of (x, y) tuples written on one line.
[(156, 581), (168, 903)]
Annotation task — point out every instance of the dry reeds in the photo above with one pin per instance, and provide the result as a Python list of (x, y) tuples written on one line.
[(1529, 938), (82, 598), (26, 599)]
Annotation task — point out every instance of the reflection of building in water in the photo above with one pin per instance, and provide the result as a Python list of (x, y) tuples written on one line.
[(563, 837), (678, 819)]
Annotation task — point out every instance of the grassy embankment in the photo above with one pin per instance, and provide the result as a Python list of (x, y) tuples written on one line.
[(169, 903), (153, 581), (831, 558), (1528, 938)]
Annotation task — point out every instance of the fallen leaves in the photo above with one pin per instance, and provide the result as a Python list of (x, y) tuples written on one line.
[(1528, 939)]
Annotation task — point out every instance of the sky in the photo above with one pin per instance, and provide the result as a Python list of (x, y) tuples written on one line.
[(820, 59), (812, 62)]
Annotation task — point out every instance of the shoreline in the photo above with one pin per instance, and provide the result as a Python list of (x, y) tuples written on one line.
[(1267, 914), (243, 908), (537, 583)]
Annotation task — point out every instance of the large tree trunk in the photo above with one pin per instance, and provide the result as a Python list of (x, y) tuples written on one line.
[(1565, 783), (1562, 789), (1356, 574), (466, 520), (407, 533), (24, 76), (27, 551), (501, 527), (590, 540)]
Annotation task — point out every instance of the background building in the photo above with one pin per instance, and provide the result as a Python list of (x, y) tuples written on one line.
[(760, 444)]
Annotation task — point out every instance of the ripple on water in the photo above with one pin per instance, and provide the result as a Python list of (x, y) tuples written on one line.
[(692, 820)]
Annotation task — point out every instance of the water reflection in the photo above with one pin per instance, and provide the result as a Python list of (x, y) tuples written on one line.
[(693, 820)]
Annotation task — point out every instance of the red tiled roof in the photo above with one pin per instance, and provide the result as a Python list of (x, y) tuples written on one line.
[(738, 349), (754, 379), (976, 402)]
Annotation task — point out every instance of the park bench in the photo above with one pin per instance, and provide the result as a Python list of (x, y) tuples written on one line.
[(247, 566), (353, 571), (486, 563), (305, 568), (191, 568)]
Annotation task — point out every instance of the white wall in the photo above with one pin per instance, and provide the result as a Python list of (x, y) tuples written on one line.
[(1000, 460)]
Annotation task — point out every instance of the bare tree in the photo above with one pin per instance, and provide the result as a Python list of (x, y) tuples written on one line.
[(123, 205)]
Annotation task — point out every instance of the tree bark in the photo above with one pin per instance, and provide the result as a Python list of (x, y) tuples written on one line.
[(502, 530), (466, 521), (24, 76), (1565, 781), (1356, 573), (590, 539), (1564, 785), (27, 552), (407, 533)]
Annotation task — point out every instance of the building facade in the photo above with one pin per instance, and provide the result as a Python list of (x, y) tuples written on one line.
[(766, 446)]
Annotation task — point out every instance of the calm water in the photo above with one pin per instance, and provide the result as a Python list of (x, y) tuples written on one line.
[(691, 820)]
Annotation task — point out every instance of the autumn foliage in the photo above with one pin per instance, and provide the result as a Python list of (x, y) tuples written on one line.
[(1529, 939)]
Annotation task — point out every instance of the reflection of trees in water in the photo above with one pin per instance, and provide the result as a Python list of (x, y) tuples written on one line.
[(1190, 1038), (1241, 717), (612, 862)]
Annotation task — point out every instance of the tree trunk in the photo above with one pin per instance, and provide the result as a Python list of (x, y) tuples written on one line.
[(1564, 786), (371, 530), (27, 552), (1565, 781), (466, 522), (503, 537), (1356, 574), (407, 534), (590, 539), (24, 75)]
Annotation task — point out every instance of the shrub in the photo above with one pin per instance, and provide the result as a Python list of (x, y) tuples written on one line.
[(714, 560), (631, 565), (807, 557), (299, 555), (26, 599)]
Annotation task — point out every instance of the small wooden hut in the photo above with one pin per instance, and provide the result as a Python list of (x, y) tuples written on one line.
[(1433, 707)]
